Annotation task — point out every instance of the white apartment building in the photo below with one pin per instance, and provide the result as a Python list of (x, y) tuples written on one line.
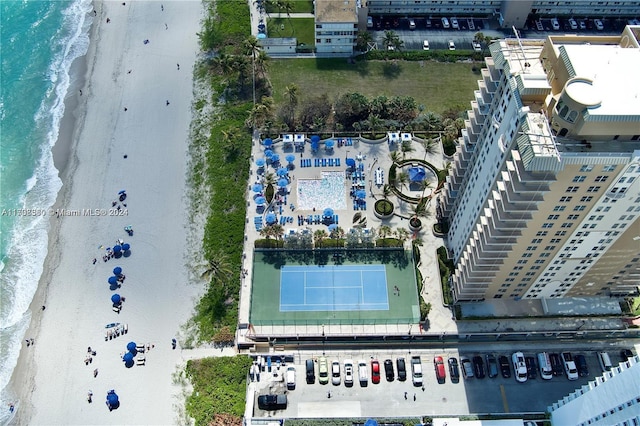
[(612, 399), (336, 26), (543, 198), (510, 12)]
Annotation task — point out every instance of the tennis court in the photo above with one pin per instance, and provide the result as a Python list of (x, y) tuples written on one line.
[(294, 287), (333, 288)]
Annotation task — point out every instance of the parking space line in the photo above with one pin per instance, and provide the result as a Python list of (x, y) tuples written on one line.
[(505, 403)]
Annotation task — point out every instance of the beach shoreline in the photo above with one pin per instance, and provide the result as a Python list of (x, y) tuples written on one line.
[(86, 166)]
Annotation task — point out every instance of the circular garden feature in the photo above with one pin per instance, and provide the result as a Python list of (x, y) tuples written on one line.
[(383, 209)]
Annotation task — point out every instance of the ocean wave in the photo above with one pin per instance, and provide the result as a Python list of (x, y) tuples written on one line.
[(27, 247)]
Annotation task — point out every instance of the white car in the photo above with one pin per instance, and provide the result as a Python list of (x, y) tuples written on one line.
[(519, 367), (291, 378), (476, 46), (452, 45), (425, 45), (335, 373), (555, 24), (454, 23), (569, 366), (363, 374), (599, 24), (573, 24), (445, 23), (348, 372)]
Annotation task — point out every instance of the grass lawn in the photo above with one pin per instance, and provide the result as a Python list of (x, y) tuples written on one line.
[(299, 6), (301, 28), (435, 85)]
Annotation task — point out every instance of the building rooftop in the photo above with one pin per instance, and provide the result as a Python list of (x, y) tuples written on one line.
[(336, 11)]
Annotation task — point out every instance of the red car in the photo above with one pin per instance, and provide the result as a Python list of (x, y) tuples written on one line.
[(375, 371), (441, 373)]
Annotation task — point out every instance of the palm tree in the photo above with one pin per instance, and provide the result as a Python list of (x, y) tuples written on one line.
[(277, 231), (401, 179), (390, 38), (291, 93), (430, 147), (420, 209), (395, 157), (363, 39), (386, 191), (319, 236), (217, 267), (406, 147), (403, 234), (384, 231), (269, 178), (424, 185)]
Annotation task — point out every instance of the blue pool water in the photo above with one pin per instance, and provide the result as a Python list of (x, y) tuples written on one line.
[(330, 191)]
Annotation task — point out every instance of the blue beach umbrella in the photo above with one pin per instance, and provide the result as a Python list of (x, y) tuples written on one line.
[(282, 171), (290, 158), (270, 218), (333, 227), (371, 422), (351, 162), (268, 153), (314, 146), (328, 212), (112, 399), (128, 357), (131, 346), (283, 183), (261, 201), (117, 248), (113, 280), (329, 143), (361, 193), (315, 138), (267, 142), (257, 187), (116, 299), (117, 270), (126, 247), (275, 158), (260, 162)]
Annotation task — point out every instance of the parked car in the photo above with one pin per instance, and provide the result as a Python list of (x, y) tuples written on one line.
[(477, 47), (272, 402), (581, 365), (492, 366), (467, 368), (452, 45), (388, 370), (412, 24), (445, 23), (556, 364), (555, 24), (369, 22), (478, 367), (569, 366), (425, 45), (454, 24), (519, 367), (599, 25), (402, 369), (428, 23), (362, 373), (375, 371), (291, 377), (505, 369), (625, 354), (532, 367), (454, 370), (311, 374), (582, 25), (441, 374), (348, 372), (335, 373), (323, 371), (573, 24), (416, 371)]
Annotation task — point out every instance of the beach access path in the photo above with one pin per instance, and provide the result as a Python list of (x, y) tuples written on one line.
[(123, 71)]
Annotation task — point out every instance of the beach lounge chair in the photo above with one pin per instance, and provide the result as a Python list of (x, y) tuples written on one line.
[(116, 309), (337, 162), (324, 162), (140, 348), (316, 162), (335, 219), (141, 360), (330, 162)]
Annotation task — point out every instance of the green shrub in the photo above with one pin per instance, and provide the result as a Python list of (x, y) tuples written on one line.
[(384, 207)]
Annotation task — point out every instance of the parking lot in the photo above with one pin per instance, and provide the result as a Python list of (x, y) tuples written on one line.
[(468, 396)]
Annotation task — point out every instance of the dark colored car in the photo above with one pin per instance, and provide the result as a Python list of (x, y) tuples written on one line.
[(556, 364), (388, 370), (438, 364), (272, 402), (581, 365), (478, 367), (311, 374), (505, 369), (625, 354), (492, 366), (454, 370), (402, 369), (532, 367), (375, 371)]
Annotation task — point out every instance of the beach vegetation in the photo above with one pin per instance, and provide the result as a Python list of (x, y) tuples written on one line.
[(227, 24), (446, 269), (219, 387)]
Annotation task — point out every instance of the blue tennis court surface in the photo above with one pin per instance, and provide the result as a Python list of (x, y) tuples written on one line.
[(333, 288)]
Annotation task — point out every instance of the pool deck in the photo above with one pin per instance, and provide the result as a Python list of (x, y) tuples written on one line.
[(373, 155)]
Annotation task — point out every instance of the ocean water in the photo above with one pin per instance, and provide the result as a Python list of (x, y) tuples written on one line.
[(38, 40)]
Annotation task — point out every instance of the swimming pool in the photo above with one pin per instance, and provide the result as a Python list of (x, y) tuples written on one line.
[(322, 193)]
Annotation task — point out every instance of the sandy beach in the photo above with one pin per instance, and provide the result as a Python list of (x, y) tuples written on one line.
[(135, 101)]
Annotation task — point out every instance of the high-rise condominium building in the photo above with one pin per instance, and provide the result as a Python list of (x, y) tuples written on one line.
[(543, 197)]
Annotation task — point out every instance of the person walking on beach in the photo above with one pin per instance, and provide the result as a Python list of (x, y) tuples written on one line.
[(90, 396), (173, 343), (167, 102), (178, 67)]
